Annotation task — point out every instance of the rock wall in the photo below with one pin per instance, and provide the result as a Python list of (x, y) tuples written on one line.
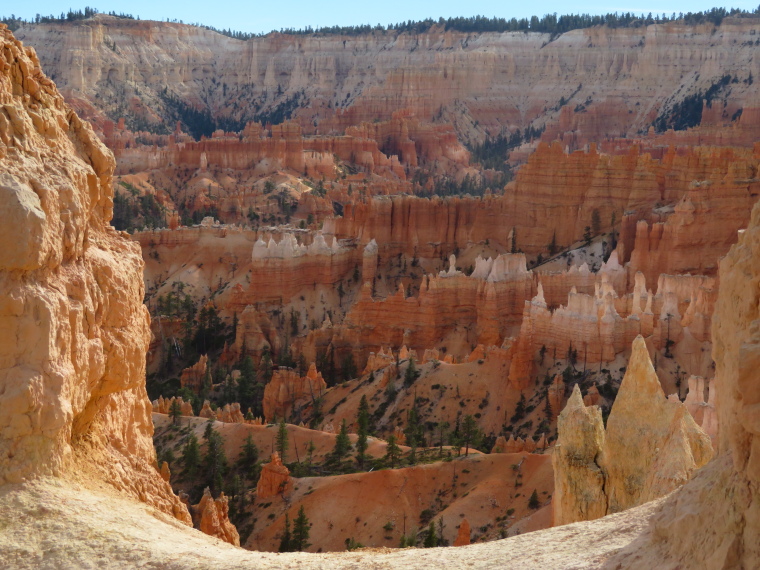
[(74, 330)]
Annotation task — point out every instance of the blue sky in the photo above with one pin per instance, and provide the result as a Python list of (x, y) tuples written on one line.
[(257, 16)]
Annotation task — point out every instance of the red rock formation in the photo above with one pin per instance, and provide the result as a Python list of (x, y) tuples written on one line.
[(487, 305), (194, 376), (230, 414), (206, 411), (214, 519), (274, 479), (287, 390), (463, 534)]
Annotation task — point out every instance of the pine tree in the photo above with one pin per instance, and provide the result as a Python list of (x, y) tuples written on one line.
[(411, 373), (431, 539), (414, 431), (533, 502), (442, 427), (362, 421), (282, 440), (596, 222), (342, 443), (191, 455), (175, 411), (392, 451), (214, 462), (553, 245), (587, 235), (249, 458), (470, 433), (548, 412), (301, 528), (246, 384), (286, 539)]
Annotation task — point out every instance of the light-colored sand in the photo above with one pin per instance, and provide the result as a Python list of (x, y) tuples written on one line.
[(51, 524)]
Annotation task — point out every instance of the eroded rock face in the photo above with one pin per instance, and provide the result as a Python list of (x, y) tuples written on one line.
[(578, 477), (714, 520), (214, 518), (274, 479), (463, 534), (650, 447), (287, 390), (649, 438), (73, 330)]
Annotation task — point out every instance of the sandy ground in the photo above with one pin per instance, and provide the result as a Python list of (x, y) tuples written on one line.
[(52, 524)]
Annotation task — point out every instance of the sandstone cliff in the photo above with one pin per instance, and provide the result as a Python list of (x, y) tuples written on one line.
[(583, 85), (74, 329)]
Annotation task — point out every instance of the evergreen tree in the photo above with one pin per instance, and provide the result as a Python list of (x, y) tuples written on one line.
[(286, 539), (246, 390), (442, 427), (471, 434), (175, 411), (191, 455), (587, 235), (301, 528), (533, 502), (548, 412), (282, 440), (553, 245), (411, 373), (249, 458), (362, 421), (596, 222), (414, 431), (342, 443), (392, 451), (431, 538), (214, 462)]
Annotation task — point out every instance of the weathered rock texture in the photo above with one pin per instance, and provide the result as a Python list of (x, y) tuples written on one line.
[(714, 520), (288, 390), (213, 518), (584, 85), (650, 447), (274, 479), (73, 328), (463, 534)]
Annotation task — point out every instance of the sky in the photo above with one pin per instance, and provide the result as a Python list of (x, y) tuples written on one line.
[(255, 16)]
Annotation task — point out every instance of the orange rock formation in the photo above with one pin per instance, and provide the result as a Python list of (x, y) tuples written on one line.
[(287, 391), (214, 518), (73, 325), (274, 480), (463, 534)]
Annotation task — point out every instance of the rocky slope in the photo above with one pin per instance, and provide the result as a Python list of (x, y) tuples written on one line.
[(74, 329)]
